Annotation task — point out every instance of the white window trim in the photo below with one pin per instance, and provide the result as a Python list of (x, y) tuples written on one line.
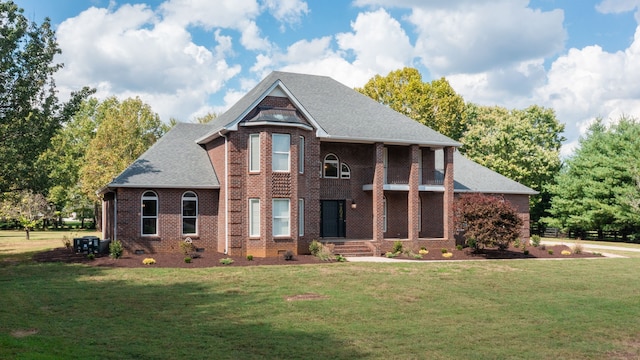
[(287, 217), (345, 174), (274, 152), (384, 214), (253, 232), (300, 217), (337, 164), (385, 162), (419, 214), (301, 155), (254, 162), (143, 217), (189, 217)]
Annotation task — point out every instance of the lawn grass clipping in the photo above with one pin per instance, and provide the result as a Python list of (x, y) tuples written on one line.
[(573, 309)]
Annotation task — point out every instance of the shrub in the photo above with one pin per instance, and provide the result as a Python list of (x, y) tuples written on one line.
[(444, 251), (416, 256), (187, 259), (423, 248), (149, 261), (91, 256), (565, 252), (423, 251), (186, 246), (526, 252), (288, 255), (516, 244), (577, 248), (390, 254), (397, 247), (535, 240), (490, 220), (250, 257), (226, 261), (447, 255), (550, 251), (66, 241), (326, 252), (315, 247), (458, 247), (116, 249), (341, 258)]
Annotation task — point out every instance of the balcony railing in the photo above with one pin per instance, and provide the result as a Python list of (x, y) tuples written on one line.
[(400, 175)]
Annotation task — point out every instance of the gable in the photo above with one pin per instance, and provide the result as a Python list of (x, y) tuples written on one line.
[(276, 110)]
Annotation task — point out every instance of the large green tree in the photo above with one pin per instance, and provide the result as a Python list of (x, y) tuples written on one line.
[(434, 104), (30, 112), (523, 145), (62, 161), (594, 187), (126, 129)]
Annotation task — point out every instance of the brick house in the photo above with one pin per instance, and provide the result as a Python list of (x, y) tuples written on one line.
[(298, 158)]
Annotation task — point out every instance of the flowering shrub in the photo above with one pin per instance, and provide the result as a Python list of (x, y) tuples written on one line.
[(423, 251), (447, 255), (149, 261), (565, 252)]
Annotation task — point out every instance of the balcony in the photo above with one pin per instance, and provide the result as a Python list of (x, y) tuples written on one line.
[(399, 175)]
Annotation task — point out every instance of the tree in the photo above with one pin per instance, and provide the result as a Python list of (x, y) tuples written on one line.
[(434, 104), (126, 129), (30, 112), (207, 118), (595, 185), (523, 145), (62, 161), (487, 221), (27, 207)]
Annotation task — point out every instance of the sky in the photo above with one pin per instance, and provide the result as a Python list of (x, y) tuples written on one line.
[(186, 58)]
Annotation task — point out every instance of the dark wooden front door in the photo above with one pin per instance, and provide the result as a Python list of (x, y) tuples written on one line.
[(333, 218)]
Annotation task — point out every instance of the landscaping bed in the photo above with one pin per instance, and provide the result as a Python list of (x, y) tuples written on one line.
[(210, 259)]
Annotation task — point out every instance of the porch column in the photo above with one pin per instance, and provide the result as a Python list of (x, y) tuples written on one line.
[(447, 202), (378, 193), (413, 199)]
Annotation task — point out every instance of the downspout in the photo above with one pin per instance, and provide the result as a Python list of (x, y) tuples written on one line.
[(226, 193)]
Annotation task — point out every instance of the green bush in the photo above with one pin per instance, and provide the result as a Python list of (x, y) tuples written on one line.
[(226, 261), (315, 247), (250, 257), (341, 258), (444, 251), (187, 259), (458, 247), (526, 252), (326, 252), (390, 254), (550, 251), (535, 240), (91, 256), (116, 249), (397, 247)]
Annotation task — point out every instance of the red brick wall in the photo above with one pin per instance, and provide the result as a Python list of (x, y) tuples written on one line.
[(169, 220)]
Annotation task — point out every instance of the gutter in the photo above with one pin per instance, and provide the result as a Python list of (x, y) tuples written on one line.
[(226, 192)]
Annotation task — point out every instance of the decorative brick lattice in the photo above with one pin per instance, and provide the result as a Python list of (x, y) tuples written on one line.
[(281, 184)]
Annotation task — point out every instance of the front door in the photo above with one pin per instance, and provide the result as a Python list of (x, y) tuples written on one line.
[(333, 218)]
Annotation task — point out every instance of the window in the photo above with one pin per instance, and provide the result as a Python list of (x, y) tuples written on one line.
[(281, 148), (385, 162), (189, 213), (419, 214), (301, 217), (345, 172), (301, 155), (254, 153), (281, 217), (254, 217), (330, 169), (149, 213), (384, 214)]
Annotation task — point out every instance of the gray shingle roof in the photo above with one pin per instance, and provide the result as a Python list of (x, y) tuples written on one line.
[(174, 161), (470, 176), (342, 113)]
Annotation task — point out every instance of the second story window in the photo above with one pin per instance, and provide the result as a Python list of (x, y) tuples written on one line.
[(254, 153), (281, 152), (330, 168)]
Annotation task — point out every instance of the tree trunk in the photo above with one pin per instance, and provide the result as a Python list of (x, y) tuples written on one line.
[(27, 231)]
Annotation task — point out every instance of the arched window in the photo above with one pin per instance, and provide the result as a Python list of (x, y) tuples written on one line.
[(189, 213), (330, 169), (149, 213), (345, 171)]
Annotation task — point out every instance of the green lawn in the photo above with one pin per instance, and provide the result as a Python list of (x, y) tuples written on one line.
[(526, 309)]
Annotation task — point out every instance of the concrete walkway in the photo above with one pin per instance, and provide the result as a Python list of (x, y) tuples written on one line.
[(592, 246)]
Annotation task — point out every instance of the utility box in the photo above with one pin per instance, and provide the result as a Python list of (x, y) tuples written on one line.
[(87, 245)]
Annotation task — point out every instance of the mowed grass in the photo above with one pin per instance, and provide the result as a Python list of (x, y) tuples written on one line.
[(14, 245), (526, 309)]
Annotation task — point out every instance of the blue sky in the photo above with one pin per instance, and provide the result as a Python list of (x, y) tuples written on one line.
[(189, 57)]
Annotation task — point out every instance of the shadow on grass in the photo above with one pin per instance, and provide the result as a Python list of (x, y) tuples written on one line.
[(77, 311)]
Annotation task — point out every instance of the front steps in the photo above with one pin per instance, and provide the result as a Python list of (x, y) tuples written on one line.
[(351, 248)]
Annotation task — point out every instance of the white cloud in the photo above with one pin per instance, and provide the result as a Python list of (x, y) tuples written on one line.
[(209, 14), (287, 11), (130, 51)]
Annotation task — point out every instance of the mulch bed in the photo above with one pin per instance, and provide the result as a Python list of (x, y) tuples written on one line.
[(211, 259)]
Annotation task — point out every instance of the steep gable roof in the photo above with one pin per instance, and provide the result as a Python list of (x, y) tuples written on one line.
[(174, 161), (338, 112)]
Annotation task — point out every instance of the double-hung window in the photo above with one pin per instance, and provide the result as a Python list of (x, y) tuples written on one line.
[(189, 213), (301, 155), (254, 217), (254, 153), (281, 152), (149, 213), (281, 215)]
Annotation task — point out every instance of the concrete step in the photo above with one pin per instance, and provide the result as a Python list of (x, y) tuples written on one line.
[(351, 248)]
